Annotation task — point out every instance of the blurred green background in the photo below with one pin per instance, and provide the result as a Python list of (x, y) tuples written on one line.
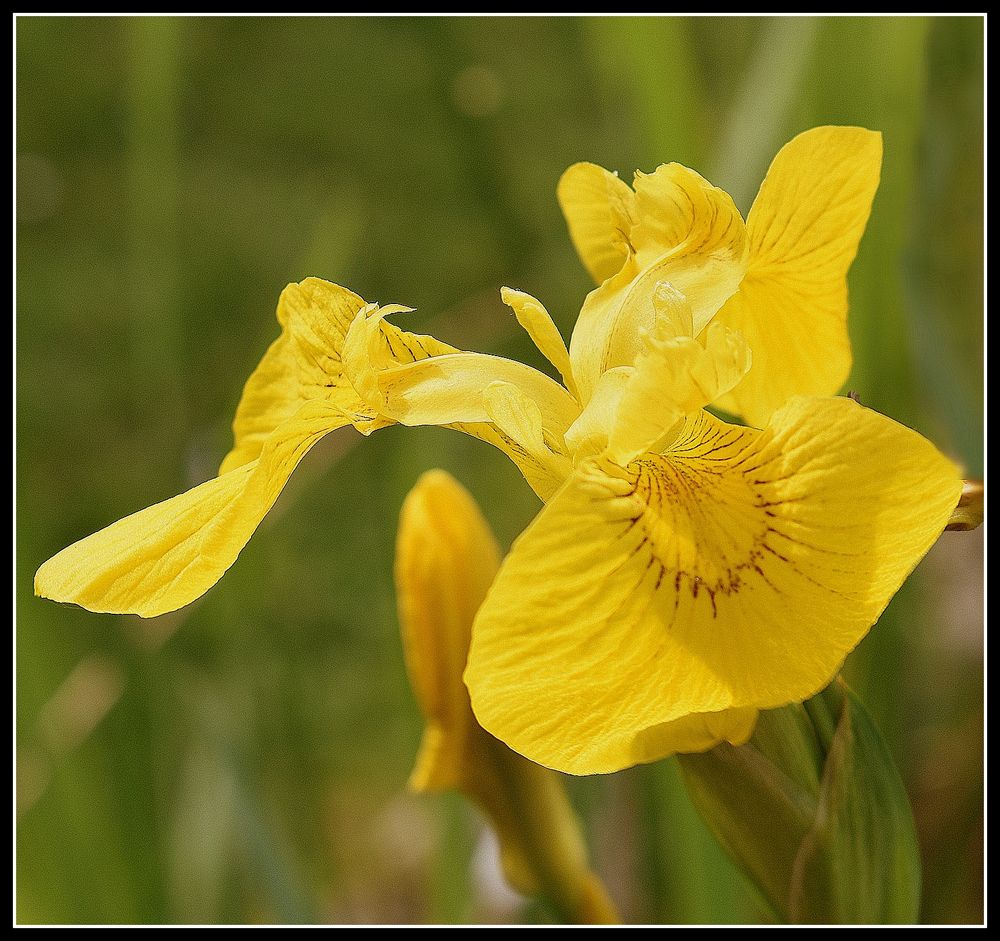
[(246, 758)]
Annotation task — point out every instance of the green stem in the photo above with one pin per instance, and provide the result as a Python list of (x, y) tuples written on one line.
[(540, 836), (450, 880), (824, 712)]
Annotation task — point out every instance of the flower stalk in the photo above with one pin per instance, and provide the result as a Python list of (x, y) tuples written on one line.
[(542, 847)]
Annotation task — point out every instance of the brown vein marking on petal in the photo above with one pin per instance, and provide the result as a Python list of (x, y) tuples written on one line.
[(705, 517)]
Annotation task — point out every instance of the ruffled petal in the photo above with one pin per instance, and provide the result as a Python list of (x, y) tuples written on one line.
[(600, 211), (689, 234)]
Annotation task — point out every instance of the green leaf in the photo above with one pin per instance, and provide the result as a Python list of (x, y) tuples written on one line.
[(812, 808), (860, 861)]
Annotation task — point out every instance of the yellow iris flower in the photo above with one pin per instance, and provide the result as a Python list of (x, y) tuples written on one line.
[(684, 572)]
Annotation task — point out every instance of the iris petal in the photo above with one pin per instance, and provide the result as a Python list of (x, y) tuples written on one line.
[(689, 234), (450, 388), (734, 571), (166, 556), (600, 212), (804, 229)]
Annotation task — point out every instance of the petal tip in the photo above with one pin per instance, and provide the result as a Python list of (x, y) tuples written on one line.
[(437, 482)]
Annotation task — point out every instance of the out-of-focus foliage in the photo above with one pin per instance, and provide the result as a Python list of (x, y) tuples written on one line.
[(245, 758)]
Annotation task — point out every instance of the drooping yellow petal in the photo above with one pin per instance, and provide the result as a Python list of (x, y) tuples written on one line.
[(735, 571), (804, 229), (689, 234), (448, 388), (600, 212), (166, 556), (537, 323), (302, 365)]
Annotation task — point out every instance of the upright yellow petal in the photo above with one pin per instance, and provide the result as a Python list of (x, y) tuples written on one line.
[(590, 345), (302, 365), (804, 229), (675, 375), (689, 234), (635, 409), (166, 556), (735, 571), (600, 212), (537, 323), (449, 388)]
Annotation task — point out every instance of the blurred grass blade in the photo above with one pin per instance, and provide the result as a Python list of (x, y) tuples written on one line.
[(202, 836), (755, 127), (652, 67), (945, 274), (153, 185), (268, 860), (687, 878), (451, 893)]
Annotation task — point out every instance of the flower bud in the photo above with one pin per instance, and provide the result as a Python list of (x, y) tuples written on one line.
[(446, 557)]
